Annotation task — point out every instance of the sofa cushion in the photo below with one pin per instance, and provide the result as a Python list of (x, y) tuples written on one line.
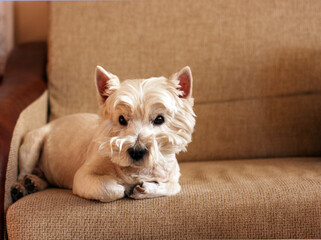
[(242, 55), (262, 198), (256, 128)]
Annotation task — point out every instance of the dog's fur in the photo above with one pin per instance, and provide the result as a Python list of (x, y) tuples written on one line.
[(90, 153)]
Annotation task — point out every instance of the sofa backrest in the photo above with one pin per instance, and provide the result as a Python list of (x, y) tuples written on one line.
[(256, 66)]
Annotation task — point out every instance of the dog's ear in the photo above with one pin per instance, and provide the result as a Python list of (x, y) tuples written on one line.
[(185, 81), (106, 83)]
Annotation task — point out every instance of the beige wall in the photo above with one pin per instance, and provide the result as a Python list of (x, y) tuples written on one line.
[(31, 21)]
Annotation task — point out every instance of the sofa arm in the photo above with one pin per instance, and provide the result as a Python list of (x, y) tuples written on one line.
[(24, 80)]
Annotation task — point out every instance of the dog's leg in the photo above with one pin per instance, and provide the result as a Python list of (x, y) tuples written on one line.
[(30, 150), (90, 185), (155, 189), (28, 159)]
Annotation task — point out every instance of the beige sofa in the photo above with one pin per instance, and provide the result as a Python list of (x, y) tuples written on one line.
[(253, 168)]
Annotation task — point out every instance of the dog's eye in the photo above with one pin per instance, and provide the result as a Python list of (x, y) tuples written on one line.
[(159, 120), (122, 120)]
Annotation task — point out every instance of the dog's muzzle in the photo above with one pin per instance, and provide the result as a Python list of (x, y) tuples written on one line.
[(137, 153)]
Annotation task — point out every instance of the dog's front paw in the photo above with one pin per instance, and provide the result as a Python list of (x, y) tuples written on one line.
[(145, 190)]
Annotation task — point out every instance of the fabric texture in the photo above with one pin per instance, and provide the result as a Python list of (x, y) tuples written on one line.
[(34, 116), (256, 68), (242, 55), (263, 198), (267, 127)]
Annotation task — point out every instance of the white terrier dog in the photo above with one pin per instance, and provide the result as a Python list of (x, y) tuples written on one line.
[(128, 149)]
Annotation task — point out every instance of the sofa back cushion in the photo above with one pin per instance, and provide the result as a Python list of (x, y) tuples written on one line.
[(256, 66)]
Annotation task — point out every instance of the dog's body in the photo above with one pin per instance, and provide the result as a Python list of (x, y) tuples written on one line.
[(128, 149)]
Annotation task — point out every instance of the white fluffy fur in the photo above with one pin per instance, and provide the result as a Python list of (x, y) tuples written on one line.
[(88, 153)]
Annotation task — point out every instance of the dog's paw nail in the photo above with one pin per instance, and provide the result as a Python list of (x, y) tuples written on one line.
[(140, 189)]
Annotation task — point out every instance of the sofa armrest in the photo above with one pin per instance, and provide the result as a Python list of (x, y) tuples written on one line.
[(24, 80)]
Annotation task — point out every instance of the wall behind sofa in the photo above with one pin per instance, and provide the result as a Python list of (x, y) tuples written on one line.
[(31, 21)]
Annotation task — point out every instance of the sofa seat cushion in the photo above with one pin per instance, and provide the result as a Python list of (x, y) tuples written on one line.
[(262, 198)]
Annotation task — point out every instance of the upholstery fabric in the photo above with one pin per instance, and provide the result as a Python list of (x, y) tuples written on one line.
[(263, 198), (267, 127), (255, 63), (34, 116)]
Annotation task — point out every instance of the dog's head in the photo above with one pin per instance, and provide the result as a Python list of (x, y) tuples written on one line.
[(145, 121)]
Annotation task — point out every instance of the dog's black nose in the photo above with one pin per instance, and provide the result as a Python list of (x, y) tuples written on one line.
[(137, 153)]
